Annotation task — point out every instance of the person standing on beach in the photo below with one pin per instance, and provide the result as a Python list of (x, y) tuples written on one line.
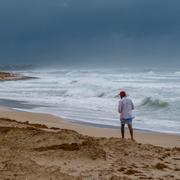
[(125, 109)]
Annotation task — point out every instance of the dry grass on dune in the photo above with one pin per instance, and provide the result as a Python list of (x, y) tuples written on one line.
[(31, 151)]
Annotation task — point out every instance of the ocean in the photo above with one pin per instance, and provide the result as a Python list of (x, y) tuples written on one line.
[(91, 95)]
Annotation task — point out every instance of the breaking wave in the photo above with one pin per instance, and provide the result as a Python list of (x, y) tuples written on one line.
[(157, 103), (92, 95)]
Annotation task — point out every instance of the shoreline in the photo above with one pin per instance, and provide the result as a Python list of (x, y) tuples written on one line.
[(141, 136), (25, 106), (116, 127)]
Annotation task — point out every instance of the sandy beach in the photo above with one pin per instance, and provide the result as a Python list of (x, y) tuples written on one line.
[(89, 90), (42, 146)]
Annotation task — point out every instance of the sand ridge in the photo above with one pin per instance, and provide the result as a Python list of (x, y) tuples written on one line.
[(33, 151), (8, 76)]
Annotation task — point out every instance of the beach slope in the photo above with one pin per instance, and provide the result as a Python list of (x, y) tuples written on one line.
[(30, 150)]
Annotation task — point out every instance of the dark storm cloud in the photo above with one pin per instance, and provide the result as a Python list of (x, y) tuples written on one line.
[(72, 32)]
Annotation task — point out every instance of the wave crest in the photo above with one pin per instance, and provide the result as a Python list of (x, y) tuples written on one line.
[(157, 103)]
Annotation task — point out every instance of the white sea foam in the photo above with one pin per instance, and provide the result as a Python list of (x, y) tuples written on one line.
[(92, 95)]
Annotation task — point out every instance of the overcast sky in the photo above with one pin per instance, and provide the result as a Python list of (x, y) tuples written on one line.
[(90, 32)]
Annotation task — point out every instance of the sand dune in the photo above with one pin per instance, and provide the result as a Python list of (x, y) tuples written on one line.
[(32, 151)]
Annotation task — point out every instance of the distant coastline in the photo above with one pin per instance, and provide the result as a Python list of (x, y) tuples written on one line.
[(8, 76), (12, 67)]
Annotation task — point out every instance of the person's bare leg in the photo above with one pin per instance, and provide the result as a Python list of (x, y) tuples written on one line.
[(122, 130), (131, 131)]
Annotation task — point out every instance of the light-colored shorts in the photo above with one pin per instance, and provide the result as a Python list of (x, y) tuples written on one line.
[(126, 121)]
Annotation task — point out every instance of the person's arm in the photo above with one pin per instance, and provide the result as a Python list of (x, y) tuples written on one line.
[(120, 107), (132, 105)]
